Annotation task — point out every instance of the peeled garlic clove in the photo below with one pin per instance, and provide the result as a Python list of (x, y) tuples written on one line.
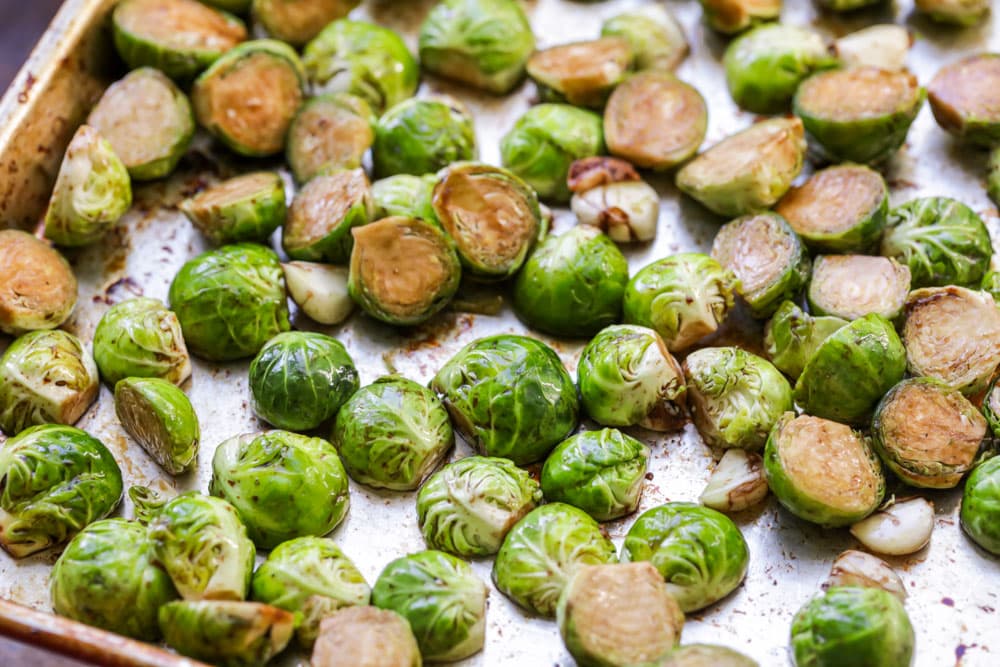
[(902, 528), (736, 483), (883, 46), (626, 211), (320, 290), (856, 568)]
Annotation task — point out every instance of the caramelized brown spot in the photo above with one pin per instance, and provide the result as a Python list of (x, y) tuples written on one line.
[(590, 172), (857, 93), (180, 24), (832, 200)]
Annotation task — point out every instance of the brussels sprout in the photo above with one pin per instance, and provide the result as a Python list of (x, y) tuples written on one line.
[(737, 483), (963, 13), (160, 418), (683, 297), (227, 96), (856, 626), (324, 212), (492, 217), (792, 337), (178, 37), (884, 46), (581, 73), (442, 599), (319, 290), (405, 195), (226, 632), (230, 301), (403, 270), (346, 639), (654, 34), (981, 505), (92, 191), (736, 397), (852, 286), (329, 132), (54, 480), (148, 122), (700, 552), (418, 136), (859, 569), (553, 540), (860, 114), (544, 142), (298, 21), (748, 171), (624, 210), (991, 406), (706, 655), (963, 99), (822, 471), (991, 284), (992, 176), (847, 5), (766, 256), (732, 16), (901, 529), (245, 208), (37, 285), (46, 377), (618, 614), (106, 578), (839, 209), (467, 507), (141, 338), (952, 334), (851, 370), (509, 396), (767, 64)]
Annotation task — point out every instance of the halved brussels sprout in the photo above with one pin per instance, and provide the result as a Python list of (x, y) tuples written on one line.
[(311, 577), (860, 114), (230, 301), (319, 290), (226, 632), (405, 195), (46, 377), (655, 120), (160, 418), (37, 285), (442, 599), (851, 370), (706, 655), (418, 136), (283, 485), (963, 97), (700, 552), (178, 37), (822, 471), (736, 397), (509, 396), (737, 483), (854, 626), (329, 132), (991, 284), (732, 16), (346, 639), (545, 141), (852, 286), (902, 528), (838, 209), (766, 256), (467, 507), (993, 176), (392, 433), (952, 334), (618, 614), (106, 577), (767, 64), (403, 270), (625, 210), (147, 120), (323, 214), (298, 21), (245, 208), (55, 480), (963, 13), (553, 540), (980, 513), (862, 570), (581, 73), (482, 43), (884, 46), (683, 297), (748, 171), (492, 217), (92, 191), (654, 34), (141, 338), (230, 101), (792, 336), (846, 5)]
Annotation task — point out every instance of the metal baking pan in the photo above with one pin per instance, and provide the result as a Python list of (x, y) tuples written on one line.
[(954, 588)]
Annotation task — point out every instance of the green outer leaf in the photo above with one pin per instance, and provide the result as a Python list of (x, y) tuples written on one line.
[(141, 338), (792, 336), (993, 176), (331, 117), (325, 210), (405, 196), (981, 505), (657, 39), (159, 417), (991, 284), (251, 217), (226, 633), (419, 136), (991, 406)]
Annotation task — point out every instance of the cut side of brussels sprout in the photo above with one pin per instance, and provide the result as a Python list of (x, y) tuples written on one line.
[(961, 13), (654, 34), (141, 338), (37, 285), (298, 21), (748, 171), (419, 136), (147, 120), (838, 209), (228, 633), (737, 483), (885, 46), (319, 290), (329, 132), (706, 655), (626, 211), (858, 569), (792, 337), (822, 471), (732, 16), (582, 73), (980, 513), (245, 208), (852, 286), (324, 212), (159, 417), (965, 99), (346, 639), (902, 528)]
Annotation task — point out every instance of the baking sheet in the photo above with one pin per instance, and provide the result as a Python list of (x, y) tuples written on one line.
[(954, 587)]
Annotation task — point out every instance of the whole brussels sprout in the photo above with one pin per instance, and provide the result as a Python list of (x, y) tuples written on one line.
[(418, 136), (298, 21), (684, 298), (323, 214), (230, 301), (656, 37), (225, 632), (482, 43), (852, 286), (962, 99), (509, 396), (141, 338), (581, 73), (37, 285), (406, 196), (851, 625), (980, 513), (700, 552), (54, 481), (246, 208), (300, 379), (467, 507), (160, 418), (106, 577), (329, 132), (554, 539), (706, 655), (792, 336), (346, 639), (392, 433), (732, 16), (961, 13), (442, 599)]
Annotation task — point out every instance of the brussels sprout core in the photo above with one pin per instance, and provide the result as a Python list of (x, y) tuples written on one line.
[(329, 132), (245, 208), (226, 633), (732, 16), (737, 483), (657, 39), (298, 21), (965, 99), (320, 290), (346, 639), (324, 212), (859, 569), (418, 136), (582, 73), (792, 337), (852, 286), (955, 12), (37, 285), (884, 46), (902, 528), (981, 506), (706, 655), (159, 417)]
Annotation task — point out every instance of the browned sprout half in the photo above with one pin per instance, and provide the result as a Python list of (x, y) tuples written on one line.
[(329, 131), (733, 16), (965, 99), (581, 73), (852, 286), (960, 13), (323, 213), (590, 172), (245, 208), (655, 120), (298, 21), (37, 285), (365, 637)]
